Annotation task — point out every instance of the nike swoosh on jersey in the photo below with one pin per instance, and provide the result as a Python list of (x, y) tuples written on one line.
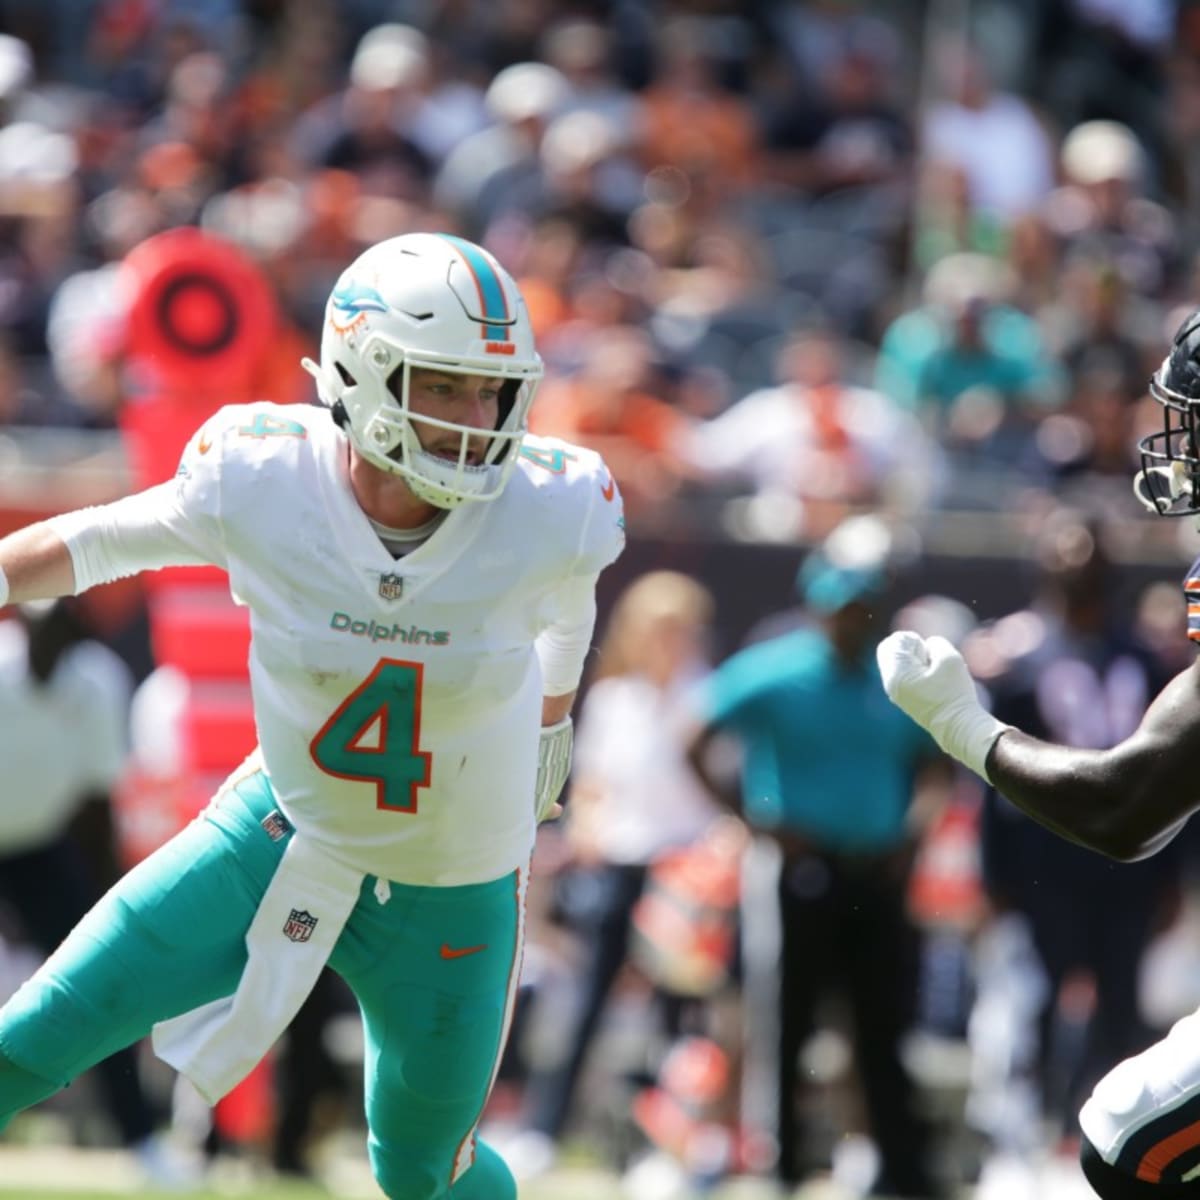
[(609, 490), (457, 952), (203, 445)]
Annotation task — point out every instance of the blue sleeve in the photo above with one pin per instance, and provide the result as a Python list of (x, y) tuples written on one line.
[(732, 694)]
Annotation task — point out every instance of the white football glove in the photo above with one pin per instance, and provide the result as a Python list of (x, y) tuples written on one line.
[(929, 680), (554, 765)]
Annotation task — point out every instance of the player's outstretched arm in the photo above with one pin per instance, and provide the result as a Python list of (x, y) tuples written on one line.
[(1126, 802), (35, 564)]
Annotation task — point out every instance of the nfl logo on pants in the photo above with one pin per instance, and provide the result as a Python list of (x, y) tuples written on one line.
[(299, 925)]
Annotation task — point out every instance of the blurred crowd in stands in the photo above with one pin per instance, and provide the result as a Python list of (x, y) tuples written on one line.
[(788, 262), (829, 253)]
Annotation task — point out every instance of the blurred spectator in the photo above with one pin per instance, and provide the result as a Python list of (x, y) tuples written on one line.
[(992, 138), (613, 404), (1089, 449), (689, 120), (369, 127), (499, 169), (723, 309), (590, 178), (1103, 323), (1105, 60), (945, 896), (38, 212), (973, 367), (581, 48), (16, 72), (632, 800), (818, 34), (1103, 209), (850, 136), (1068, 670), (815, 441), (26, 402), (838, 808), (64, 706)]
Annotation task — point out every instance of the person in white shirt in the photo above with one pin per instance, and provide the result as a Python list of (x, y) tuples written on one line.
[(633, 798), (420, 578)]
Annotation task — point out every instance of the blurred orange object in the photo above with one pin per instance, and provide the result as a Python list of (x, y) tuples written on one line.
[(247, 1114), (684, 924)]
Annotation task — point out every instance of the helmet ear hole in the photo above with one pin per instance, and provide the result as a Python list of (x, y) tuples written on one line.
[(347, 378)]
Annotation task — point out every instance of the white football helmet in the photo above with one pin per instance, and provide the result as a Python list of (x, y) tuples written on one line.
[(437, 302)]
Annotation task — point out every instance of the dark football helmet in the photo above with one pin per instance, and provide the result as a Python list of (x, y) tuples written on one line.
[(1169, 481)]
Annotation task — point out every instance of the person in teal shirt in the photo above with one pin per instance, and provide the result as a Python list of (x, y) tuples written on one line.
[(829, 772)]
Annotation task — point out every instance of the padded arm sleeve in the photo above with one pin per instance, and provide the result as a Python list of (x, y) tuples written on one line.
[(562, 647), (143, 532)]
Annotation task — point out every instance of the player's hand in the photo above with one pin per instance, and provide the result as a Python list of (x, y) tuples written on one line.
[(923, 675), (929, 680)]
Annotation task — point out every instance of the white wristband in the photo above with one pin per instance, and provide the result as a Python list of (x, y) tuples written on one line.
[(967, 732), (3, 588), (554, 765)]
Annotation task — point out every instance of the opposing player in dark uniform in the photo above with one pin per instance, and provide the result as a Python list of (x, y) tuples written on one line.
[(1141, 1124)]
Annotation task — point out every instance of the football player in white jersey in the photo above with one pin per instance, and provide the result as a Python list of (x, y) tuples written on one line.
[(1141, 1125), (420, 578)]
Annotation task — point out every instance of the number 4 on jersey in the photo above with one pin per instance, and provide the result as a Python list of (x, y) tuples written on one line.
[(553, 460), (375, 735)]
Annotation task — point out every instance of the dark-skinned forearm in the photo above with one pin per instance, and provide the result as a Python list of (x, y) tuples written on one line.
[(1096, 798)]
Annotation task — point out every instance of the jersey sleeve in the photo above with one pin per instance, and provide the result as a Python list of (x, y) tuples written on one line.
[(584, 486), (176, 523), (603, 535)]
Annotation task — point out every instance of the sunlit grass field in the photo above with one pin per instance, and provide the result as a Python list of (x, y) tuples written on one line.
[(560, 1188), (585, 1186), (97, 1183)]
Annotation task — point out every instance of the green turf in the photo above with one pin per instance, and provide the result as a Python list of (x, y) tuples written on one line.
[(561, 1188), (274, 1191), (260, 1192)]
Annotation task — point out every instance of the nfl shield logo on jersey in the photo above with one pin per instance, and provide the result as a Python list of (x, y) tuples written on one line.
[(391, 587), (299, 925)]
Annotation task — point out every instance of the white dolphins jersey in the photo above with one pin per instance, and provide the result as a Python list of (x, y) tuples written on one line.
[(397, 702)]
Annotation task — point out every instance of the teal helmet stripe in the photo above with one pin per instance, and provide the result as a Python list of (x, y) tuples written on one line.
[(491, 291)]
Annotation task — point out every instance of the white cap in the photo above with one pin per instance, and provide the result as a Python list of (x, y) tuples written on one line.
[(958, 279), (524, 90), (577, 140), (32, 153), (389, 56), (1097, 151), (16, 65)]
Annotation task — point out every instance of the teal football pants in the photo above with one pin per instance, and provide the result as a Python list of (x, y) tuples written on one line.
[(434, 971)]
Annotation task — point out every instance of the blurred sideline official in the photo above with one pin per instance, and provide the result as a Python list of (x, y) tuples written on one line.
[(64, 706), (829, 775)]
